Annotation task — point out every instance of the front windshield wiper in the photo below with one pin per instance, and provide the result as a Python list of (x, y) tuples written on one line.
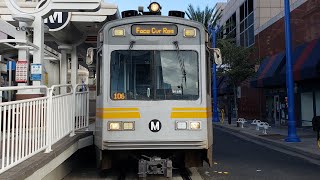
[(131, 44), (181, 62)]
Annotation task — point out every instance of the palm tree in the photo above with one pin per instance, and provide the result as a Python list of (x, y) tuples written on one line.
[(206, 16)]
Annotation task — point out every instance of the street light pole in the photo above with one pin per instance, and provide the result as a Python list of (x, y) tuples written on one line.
[(292, 134), (215, 117)]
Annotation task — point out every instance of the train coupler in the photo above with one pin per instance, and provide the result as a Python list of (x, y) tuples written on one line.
[(155, 165)]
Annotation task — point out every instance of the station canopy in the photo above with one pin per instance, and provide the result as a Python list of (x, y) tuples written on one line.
[(73, 28)]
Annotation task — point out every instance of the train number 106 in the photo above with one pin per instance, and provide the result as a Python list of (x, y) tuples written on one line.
[(119, 96)]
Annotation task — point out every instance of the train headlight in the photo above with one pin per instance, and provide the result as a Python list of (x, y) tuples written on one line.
[(128, 126), (181, 125), (114, 126), (154, 7), (119, 32), (195, 125), (189, 32)]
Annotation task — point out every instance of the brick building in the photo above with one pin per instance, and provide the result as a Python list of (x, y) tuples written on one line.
[(264, 96)]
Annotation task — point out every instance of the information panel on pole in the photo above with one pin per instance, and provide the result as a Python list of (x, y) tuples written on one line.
[(22, 71), (36, 72)]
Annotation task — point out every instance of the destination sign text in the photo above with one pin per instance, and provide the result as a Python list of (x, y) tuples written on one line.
[(154, 30)]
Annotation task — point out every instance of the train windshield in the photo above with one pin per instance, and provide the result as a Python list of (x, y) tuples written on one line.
[(154, 75)]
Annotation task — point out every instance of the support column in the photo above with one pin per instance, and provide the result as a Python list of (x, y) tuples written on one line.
[(23, 54), (38, 40), (74, 66), (64, 65)]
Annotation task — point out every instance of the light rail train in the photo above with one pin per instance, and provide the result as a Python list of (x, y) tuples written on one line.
[(153, 93)]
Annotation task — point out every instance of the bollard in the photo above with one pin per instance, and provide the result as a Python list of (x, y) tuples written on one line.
[(222, 116)]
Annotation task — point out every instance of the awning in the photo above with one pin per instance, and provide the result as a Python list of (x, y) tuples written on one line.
[(306, 62), (268, 70)]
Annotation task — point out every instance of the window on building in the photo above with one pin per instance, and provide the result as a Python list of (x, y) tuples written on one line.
[(247, 24), (250, 6), (242, 12), (231, 26)]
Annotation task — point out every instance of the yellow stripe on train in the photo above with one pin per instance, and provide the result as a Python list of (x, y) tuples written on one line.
[(190, 109), (118, 113), (118, 109), (190, 112), (189, 115)]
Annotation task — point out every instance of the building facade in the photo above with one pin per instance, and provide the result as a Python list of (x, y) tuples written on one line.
[(264, 96)]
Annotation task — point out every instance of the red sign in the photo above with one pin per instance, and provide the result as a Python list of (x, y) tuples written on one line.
[(22, 72)]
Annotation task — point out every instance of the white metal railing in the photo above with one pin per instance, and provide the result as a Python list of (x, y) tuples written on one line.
[(33, 125), (81, 106), (60, 113), (23, 128)]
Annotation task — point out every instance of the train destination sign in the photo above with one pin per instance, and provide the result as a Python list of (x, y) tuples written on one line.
[(154, 30)]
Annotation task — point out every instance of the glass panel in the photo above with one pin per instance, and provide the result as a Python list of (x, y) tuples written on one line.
[(99, 71), (250, 35), (250, 19), (208, 67), (242, 39), (246, 9), (234, 19), (245, 39), (245, 23), (242, 27), (241, 12), (150, 75), (131, 75), (306, 108), (172, 83), (318, 103), (250, 6)]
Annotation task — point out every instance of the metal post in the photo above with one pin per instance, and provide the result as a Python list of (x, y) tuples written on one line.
[(215, 117), (292, 134), (10, 80)]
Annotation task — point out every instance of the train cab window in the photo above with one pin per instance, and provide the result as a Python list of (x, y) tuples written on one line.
[(131, 75), (154, 75)]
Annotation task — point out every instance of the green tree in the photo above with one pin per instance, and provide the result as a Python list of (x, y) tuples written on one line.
[(237, 65), (206, 16)]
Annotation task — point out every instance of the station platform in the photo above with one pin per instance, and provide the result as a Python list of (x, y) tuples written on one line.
[(51, 165)]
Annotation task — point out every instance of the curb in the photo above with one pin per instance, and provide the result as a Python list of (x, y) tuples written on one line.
[(308, 155)]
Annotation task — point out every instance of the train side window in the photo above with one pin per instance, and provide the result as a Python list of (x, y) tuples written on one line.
[(99, 73), (208, 67)]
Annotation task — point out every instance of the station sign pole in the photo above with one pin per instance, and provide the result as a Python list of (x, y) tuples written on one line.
[(292, 134), (215, 117)]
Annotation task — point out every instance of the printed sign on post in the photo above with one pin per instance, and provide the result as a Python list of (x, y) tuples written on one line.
[(36, 71), (22, 72)]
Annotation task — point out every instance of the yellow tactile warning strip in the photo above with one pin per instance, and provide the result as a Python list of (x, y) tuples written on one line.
[(118, 113), (191, 112)]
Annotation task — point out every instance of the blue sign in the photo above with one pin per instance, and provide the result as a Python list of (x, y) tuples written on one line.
[(13, 65), (36, 72), (35, 77)]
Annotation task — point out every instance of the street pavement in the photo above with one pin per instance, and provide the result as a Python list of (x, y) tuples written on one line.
[(236, 158)]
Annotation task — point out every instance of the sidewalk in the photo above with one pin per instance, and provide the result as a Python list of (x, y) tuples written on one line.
[(307, 148)]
